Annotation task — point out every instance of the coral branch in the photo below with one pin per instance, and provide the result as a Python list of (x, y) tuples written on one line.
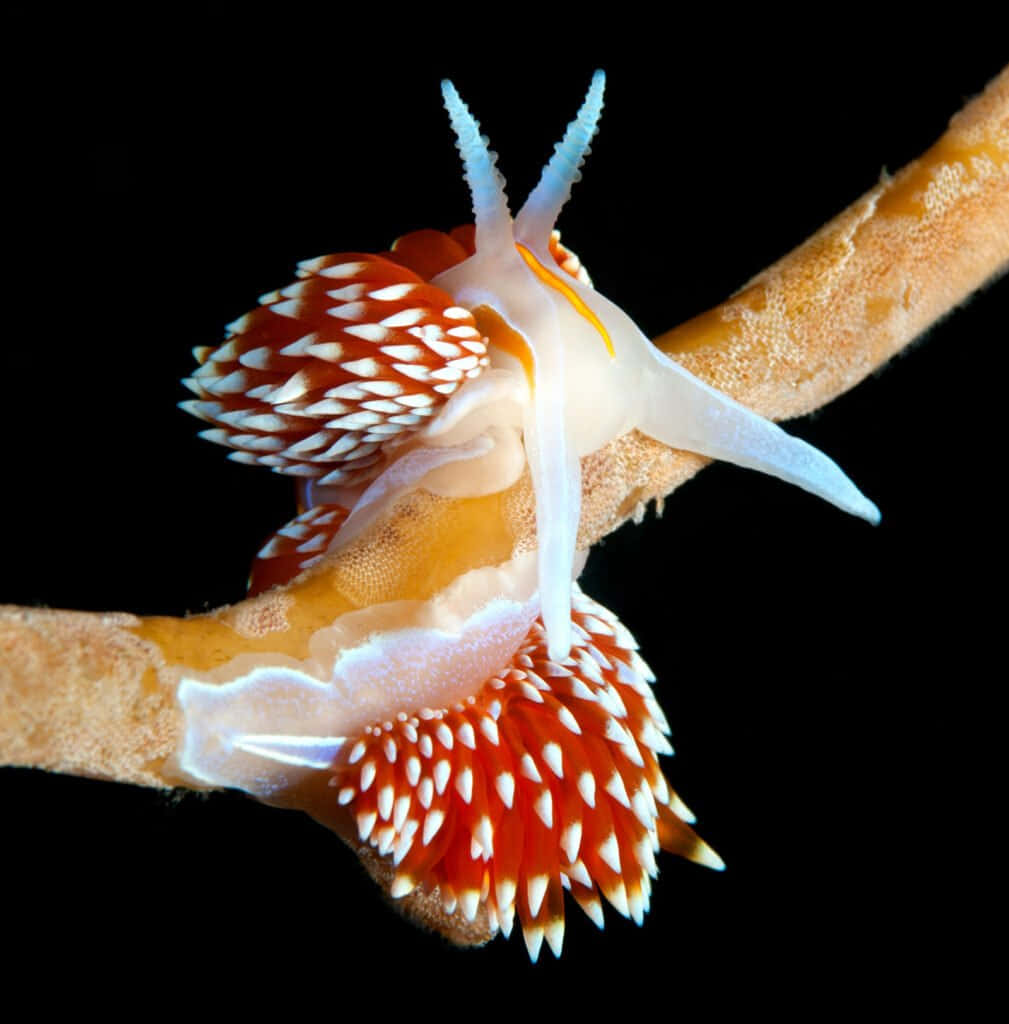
[(826, 315), (79, 693), (93, 694)]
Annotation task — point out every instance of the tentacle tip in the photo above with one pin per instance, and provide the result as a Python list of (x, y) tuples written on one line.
[(862, 508), (871, 513), (558, 639)]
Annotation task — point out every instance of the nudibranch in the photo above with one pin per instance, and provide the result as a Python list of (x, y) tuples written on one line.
[(499, 742)]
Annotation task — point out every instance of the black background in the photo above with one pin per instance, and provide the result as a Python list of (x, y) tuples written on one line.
[(824, 679)]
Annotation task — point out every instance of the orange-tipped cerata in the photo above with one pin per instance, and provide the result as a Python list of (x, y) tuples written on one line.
[(326, 373), (546, 779)]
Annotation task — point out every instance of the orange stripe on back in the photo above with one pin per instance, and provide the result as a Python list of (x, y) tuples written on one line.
[(552, 281)]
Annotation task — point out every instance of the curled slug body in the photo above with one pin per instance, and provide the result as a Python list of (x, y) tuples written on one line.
[(497, 741)]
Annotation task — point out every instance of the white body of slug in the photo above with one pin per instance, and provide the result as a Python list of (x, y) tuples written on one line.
[(596, 375), (584, 375)]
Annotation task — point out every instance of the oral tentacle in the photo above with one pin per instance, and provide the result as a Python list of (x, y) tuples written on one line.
[(538, 215), (683, 412), (531, 313), (556, 476)]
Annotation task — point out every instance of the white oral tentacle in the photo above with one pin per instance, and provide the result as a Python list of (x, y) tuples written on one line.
[(556, 475), (553, 464), (682, 411)]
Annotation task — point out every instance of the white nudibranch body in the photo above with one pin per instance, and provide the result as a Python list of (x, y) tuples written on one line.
[(569, 373), (594, 374)]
